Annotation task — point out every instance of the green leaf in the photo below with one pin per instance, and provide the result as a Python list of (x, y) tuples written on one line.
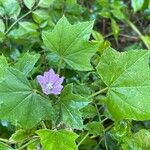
[(5, 147), (115, 29), (95, 128), (25, 33), (97, 36), (33, 145), (3, 61), (2, 26), (19, 136), (45, 3), (143, 139), (89, 111), (137, 4), (70, 108), (127, 76), (26, 63), (9, 10), (2, 30), (3, 64), (40, 16), (70, 43), (58, 140), (19, 103), (29, 3)]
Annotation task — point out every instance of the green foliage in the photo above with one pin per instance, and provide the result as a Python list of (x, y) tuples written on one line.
[(18, 97), (26, 63), (104, 102), (29, 3), (61, 139), (126, 74), (5, 147), (70, 108), (137, 4), (12, 12), (74, 49)]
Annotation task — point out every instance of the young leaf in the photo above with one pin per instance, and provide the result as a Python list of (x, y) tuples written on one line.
[(29, 3), (26, 63), (19, 103), (70, 43), (127, 76), (70, 105), (137, 4), (57, 140), (115, 29), (19, 136)]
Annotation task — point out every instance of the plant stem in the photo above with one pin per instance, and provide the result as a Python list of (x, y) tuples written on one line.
[(43, 125), (97, 93), (4, 140), (59, 65), (138, 32), (83, 139), (20, 19), (105, 141), (30, 142)]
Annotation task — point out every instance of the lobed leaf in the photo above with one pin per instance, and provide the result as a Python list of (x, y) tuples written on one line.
[(70, 43), (57, 140), (19, 103), (127, 76)]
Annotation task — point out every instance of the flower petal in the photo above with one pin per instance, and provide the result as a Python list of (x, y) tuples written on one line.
[(57, 90), (59, 81), (41, 79)]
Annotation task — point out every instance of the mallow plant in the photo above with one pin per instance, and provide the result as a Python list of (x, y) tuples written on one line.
[(67, 95)]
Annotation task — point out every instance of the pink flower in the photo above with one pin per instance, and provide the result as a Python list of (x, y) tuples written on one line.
[(50, 82)]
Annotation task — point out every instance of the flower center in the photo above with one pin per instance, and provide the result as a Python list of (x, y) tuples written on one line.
[(49, 86)]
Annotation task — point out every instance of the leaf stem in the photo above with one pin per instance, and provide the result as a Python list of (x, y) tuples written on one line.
[(83, 139), (138, 32), (30, 142), (4, 140), (97, 93), (20, 19), (43, 125), (59, 65)]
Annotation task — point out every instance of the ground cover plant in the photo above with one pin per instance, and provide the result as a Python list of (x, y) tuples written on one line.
[(74, 75)]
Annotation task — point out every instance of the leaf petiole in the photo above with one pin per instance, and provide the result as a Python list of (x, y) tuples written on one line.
[(98, 92)]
